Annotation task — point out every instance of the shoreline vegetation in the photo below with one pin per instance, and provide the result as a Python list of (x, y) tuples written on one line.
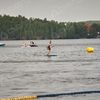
[(48, 39), (21, 28)]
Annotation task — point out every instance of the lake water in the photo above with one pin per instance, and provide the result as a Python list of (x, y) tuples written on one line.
[(26, 71)]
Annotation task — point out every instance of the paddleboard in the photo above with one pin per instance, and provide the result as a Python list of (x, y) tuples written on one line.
[(50, 55)]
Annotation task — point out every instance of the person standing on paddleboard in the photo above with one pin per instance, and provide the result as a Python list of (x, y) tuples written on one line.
[(48, 47)]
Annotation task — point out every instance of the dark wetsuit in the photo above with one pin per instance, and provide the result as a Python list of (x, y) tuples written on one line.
[(49, 47)]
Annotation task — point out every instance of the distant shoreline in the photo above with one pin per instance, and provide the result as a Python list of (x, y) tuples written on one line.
[(46, 39)]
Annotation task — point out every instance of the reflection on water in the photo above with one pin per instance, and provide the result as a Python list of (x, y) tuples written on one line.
[(26, 71)]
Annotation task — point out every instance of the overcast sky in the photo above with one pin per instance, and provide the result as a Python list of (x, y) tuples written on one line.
[(58, 10)]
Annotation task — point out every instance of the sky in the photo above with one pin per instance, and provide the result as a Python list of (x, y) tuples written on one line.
[(57, 10)]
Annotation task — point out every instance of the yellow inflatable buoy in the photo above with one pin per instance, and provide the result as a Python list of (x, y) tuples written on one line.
[(90, 49)]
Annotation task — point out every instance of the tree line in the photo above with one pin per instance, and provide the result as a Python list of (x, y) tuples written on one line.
[(21, 28)]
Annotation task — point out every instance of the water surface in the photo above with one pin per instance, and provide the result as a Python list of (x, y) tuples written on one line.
[(26, 71)]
